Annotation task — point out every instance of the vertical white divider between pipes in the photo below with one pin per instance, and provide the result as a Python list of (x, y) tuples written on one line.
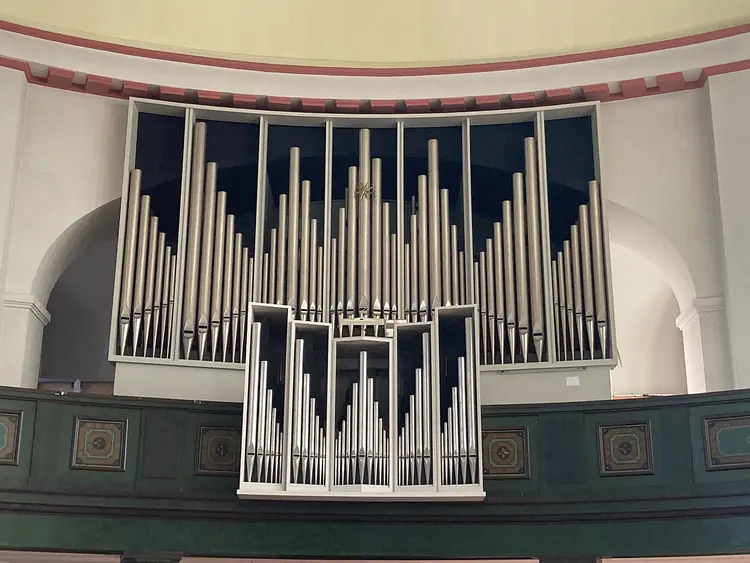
[(128, 165), (175, 332), (541, 147)]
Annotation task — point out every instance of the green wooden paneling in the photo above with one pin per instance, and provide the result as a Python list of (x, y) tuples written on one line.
[(15, 476), (160, 502)]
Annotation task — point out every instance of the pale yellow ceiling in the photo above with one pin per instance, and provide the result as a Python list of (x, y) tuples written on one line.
[(380, 33)]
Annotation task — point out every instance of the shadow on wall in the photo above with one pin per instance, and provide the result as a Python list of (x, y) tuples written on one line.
[(76, 340)]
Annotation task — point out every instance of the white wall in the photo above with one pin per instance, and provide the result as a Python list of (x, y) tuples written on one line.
[(70, 166), (730, 115), (649, 343), (656, 161), (12, 114)]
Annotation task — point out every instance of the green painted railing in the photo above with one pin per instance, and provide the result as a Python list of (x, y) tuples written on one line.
[(645, 477)]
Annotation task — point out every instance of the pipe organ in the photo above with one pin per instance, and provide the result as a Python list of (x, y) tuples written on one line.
[(362, 274)]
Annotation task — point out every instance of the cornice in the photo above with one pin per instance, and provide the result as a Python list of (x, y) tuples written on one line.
[(117, 71), (700, 305), (30, 303)]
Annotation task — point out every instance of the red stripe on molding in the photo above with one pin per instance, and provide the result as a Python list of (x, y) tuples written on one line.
[(60, 77), (244, 101), (725, 68), (279, 103), (634, 88), (452, 104), (370, 71), (487, 102), (594, 92), (417, 106), (171, 93), (313, 104), (560, 96), (15, 64), (382, 106), (100, 85), (209, 97), (134, 89), (672, 82), (347, 106), (524, 100), (97, 84)]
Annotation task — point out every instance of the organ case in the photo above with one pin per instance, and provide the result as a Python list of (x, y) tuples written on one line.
[(350, 278)]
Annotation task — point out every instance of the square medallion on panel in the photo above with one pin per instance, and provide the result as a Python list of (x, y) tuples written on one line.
[(99, 444), (10, 434), (625, 449), (505, 452), (219, 451), (726, 440)]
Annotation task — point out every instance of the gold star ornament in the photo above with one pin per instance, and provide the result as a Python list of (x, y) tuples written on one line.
[(362, 191)]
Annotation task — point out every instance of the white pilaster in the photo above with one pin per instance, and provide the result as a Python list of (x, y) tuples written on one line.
[(730, 116), (705, 340), (23, 322), (12, 113)]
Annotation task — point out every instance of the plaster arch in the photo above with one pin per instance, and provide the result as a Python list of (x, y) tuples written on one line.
[(94, 228), (631, 230)]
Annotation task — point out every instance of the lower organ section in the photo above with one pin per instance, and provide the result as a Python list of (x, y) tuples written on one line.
[(351, 417)]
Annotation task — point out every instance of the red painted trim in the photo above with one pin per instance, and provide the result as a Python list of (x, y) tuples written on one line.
[(487, 102), (634, 88), (417, 106), (370, 71), (102, 85), (560, 96), (134, 89), (60, 78), (594, 92), (98, 84), (209, 98), (672, 82), (172, 94), (313, 104), (244, 101), (525, 100), (453, 104), (279, 103), (348, 106)]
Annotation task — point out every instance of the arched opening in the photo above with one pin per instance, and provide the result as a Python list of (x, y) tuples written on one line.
[(76, 277)]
